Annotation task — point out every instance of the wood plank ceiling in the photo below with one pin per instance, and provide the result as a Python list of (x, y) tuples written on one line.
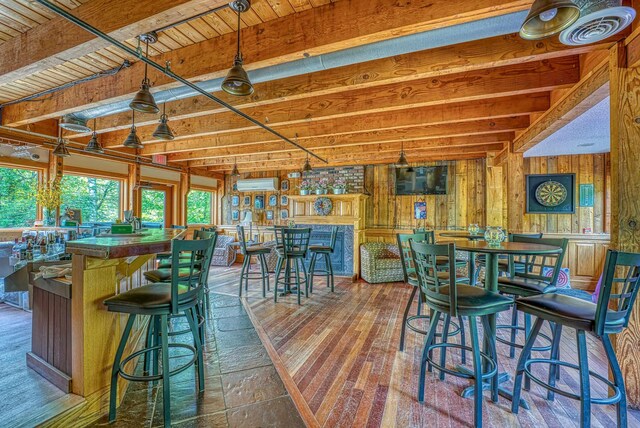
[(454, 102)]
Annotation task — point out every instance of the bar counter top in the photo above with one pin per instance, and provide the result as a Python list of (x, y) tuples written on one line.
[(145, 241)]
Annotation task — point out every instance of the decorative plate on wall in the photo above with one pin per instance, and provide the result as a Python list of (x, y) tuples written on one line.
[(551, 193), (323, 206)]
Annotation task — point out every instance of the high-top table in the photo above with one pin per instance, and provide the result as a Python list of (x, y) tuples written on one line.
[(103, 266), (463, 234), (491, 284)]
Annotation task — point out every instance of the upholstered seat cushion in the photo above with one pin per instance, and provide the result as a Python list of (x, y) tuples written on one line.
[(258, 249), (164, 275), (148, 297), (474, 299), (320, 249), (519, 286), (567, 310)]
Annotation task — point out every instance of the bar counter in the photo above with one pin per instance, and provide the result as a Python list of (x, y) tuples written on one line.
[(103, 266)]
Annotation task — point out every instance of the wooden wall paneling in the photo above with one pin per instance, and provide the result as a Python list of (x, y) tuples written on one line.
[(461, 192), (564, 221), (585, 176), (494, 196), (552, 219), (599, 192), (516, 192)]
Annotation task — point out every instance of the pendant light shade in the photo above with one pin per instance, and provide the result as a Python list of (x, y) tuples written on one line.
[(61, 150), (144, 101), (163, 132), (307, 165), (132, 140), (73, 123), (93, 146), (548, 17), (237, 81), (235, 172), (402, 160)]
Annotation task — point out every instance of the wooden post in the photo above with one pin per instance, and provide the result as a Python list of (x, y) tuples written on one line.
[(494, 195), (185, 186), (515, 191), (134, 189), (625, 204), (56, 171)]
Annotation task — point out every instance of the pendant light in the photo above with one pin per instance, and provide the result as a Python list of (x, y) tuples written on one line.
[(133, 141), (307, 165), (144, 101), (163, 132), (93, 146), (402, 160), (74, 123), (237, 81), (61, 150), (548, 17), (234, 171)]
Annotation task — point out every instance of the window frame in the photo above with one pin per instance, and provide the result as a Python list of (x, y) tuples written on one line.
[(105, 175), (212, 203), (40, 178)]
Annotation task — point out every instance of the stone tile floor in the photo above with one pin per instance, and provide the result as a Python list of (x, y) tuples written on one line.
[(242, 386)]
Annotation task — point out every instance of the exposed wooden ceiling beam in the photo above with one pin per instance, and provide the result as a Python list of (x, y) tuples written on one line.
[(589, 91), (271, 166), (332, 27), (56, 41), (477, 55), (228, 154), (412, 149)]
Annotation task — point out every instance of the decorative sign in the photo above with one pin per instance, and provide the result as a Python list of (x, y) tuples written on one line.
[(235, 215), (284, 214), (159, 159), (273, 200), (235, 201), (284, 185), (420, 210), (323, 206), (247, 201), (284, 200), (269, 214), (586, 195), (551, 193), (258, 202)]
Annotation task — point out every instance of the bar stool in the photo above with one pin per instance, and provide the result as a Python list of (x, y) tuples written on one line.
[(260, 253), (620, 282), (159, 301), (532, 279), (295, 243), (164, 257), (411, 278), (325, 251), (446, 297)]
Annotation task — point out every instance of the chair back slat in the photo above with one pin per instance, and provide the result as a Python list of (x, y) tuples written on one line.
[(535, 266), (295, 241), (242, 239), (334, 237), (425, 260), (405, 250), (194, 255), (620, 284)]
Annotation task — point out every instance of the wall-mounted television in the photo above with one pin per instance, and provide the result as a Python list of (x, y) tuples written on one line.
[(422, 180)]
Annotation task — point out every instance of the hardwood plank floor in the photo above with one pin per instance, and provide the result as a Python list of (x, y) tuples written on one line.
[(26, 397), (341, 350)]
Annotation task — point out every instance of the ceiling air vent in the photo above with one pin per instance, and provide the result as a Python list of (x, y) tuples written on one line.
[(598, 20)]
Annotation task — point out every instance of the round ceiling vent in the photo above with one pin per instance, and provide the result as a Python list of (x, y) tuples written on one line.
[(599, 19)]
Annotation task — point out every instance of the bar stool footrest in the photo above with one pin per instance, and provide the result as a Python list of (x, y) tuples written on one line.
[(150, 378), (493, 367), (411, 327), (519, 346)]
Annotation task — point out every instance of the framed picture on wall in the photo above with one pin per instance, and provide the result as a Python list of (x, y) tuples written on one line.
[(258, 202), (234, 187), (420, 210), (284, 185), (284, 200), (269, 214), (235, 215), (284, 214), (551, 193), (235, 201), (246, 201), (273, 200)]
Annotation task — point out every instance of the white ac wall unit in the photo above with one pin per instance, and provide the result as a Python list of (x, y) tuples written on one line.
[(257, 184)]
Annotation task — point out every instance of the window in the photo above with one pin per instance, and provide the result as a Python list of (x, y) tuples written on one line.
[(98, 198), (153, 206), (17, 197), (199, 207)]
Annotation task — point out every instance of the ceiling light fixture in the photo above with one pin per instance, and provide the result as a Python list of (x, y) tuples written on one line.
[(237, 81), (163, 132), (93, 146), (402, 160), (548, 17), (74, 123), (144, 101), (234, 171), (133, 141)]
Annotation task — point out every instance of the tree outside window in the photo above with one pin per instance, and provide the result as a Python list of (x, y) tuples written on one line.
[(153, 206), (17, 197), (199, 207), (98, 198)]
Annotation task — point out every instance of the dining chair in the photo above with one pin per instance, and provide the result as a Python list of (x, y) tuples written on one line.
[(291, 254), (444, 296), (248, 251), (325, 251), (411, 278), (620, 282), (538, 275)]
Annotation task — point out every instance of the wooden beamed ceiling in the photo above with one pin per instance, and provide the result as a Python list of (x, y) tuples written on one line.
[(453, 102)]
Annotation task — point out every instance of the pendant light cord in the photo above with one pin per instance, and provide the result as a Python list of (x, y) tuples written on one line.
[(238, 54)]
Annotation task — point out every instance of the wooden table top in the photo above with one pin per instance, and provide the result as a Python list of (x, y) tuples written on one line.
[(522, 248), (150, 241), (462, 234)]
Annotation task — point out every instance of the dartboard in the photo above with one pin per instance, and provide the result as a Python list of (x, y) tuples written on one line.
[(551, 193)]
